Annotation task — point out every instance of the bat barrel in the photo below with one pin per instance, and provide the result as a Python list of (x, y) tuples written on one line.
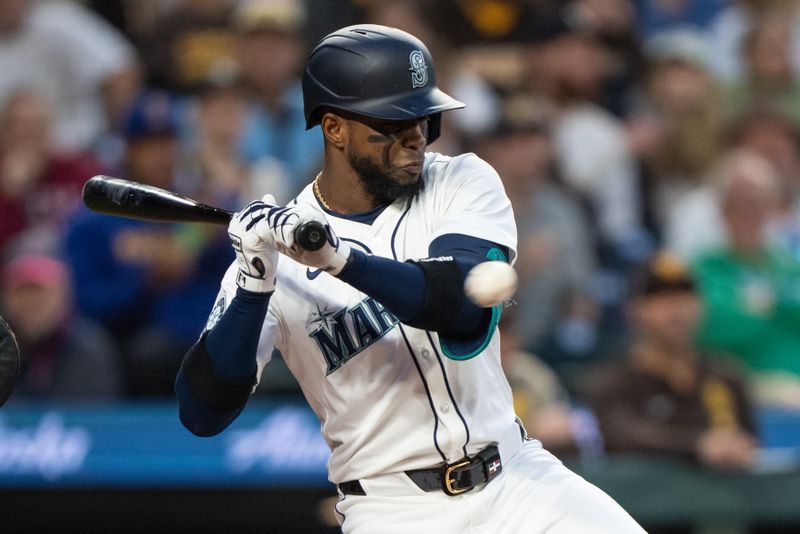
[(114, 196)]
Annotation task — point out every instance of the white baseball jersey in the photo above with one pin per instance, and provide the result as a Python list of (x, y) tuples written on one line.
[(387, 397)]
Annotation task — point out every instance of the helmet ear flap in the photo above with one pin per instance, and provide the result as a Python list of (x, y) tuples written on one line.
[(434, 127)]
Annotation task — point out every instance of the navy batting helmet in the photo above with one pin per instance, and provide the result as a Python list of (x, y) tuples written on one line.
[(376, 71)]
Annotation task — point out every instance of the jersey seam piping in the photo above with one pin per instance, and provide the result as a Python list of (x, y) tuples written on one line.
[(411, 351), (449, 390)]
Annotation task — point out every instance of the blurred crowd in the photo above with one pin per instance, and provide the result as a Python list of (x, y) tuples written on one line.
[(650, 148)]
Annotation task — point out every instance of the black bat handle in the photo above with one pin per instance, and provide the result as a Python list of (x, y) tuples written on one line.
[(311, 235)]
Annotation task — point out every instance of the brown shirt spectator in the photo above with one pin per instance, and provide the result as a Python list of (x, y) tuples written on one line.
[(642, 410), (667, 397)]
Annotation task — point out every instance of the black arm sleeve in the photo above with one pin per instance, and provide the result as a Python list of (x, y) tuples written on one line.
[(429, 293), (219, 372)]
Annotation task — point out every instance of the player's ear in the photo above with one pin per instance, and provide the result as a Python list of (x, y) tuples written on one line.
[(334, 128)]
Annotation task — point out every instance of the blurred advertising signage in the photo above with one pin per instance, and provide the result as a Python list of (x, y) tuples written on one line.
[(142, 445), (47, 449)]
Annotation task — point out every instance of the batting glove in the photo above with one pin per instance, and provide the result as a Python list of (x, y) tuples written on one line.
[(278, 229), (257, 260)]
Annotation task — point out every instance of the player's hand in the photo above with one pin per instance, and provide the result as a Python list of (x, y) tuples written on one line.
[(278, 229), (257, 259)]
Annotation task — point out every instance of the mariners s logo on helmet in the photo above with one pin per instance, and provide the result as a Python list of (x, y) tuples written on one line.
[(419, 70)]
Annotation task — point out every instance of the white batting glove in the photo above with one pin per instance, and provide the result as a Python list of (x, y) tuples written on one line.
[(257, 260), (278, 229)]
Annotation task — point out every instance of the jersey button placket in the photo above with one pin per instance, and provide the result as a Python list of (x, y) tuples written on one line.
[(451, 433)]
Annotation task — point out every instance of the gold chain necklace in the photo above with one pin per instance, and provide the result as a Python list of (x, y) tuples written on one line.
[(319, 194)]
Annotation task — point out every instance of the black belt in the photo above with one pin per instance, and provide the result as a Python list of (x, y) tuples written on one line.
[(453, 479)]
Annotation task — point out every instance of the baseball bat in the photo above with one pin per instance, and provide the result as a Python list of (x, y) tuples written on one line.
[(124, 198)]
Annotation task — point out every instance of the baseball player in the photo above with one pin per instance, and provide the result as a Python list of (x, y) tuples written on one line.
[(402, 370)]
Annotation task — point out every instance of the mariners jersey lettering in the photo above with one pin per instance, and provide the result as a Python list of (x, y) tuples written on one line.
[(387, 397), (343, 334)]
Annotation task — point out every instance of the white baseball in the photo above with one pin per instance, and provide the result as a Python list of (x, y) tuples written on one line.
[(490, 283)]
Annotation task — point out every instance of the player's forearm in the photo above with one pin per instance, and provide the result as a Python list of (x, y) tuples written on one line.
[(403, 289), (218, 373), (232, 342)]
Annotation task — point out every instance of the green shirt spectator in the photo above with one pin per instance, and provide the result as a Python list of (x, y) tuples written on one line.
[(750, 289), (753, 313), (752, 308)]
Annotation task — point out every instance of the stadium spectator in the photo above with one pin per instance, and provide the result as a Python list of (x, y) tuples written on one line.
[(677, 127), (215, 172), (556, 256), (63, 355), (773, 135), (751, 289), (151, 284), (86, 71), (695, 222), (727, 32), (191, 43), (271, 53), (613, 23), (768, 79), (39, 186), (568, 66), (666, 397)]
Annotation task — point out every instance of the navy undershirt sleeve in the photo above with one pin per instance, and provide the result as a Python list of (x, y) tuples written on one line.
[(400, 286), (396, 285), (233, 341), (231, 345), (195, 416)]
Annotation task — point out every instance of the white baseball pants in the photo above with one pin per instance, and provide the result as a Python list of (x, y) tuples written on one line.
[(535, 493)]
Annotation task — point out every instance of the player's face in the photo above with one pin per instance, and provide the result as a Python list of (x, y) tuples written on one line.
[(387, 155)]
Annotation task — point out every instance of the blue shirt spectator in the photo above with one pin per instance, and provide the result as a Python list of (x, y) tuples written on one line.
[(150, 284), (118, 284), (272, 51), (282, 135)]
